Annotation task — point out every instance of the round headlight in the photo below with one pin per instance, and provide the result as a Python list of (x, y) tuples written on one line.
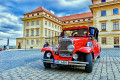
[(55, 48), (70, 48), (48, 54), (89, 44), (75, 56)]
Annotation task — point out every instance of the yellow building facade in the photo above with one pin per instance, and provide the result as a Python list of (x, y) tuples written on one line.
[(106, 17), (41, 23)]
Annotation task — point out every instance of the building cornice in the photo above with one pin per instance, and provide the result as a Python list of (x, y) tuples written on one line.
[(104, 4), (90, 21), (42, 16)]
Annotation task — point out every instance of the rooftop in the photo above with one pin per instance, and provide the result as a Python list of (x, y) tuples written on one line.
[(77, 16), (40, 9), (64, 18)]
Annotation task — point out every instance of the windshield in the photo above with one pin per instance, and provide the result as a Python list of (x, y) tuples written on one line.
[(76, 33)]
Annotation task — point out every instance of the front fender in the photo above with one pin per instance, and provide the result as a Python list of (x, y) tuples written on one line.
[(86, 49), (47, 49)]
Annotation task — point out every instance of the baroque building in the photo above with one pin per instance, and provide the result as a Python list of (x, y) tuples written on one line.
[(41, 23)]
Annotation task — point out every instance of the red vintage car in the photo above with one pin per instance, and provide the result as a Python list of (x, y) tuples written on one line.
[(77, 47)]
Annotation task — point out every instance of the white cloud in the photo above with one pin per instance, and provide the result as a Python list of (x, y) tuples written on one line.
[(10, 26), (73, 3)]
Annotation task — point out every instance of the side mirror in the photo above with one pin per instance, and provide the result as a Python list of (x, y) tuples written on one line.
[(92, 32)]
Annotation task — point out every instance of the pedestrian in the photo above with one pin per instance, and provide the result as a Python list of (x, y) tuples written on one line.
[(0, 49), (44, 45), (47, 43), (4, 48)]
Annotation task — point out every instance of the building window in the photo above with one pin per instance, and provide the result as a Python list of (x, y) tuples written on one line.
[(73, 21), (103, 25), (55, 33), (68, 21), (45, 32), (64, 22), (27, 33), (37, 13), (52, 25), (52, 33), (89, 19), (103, 13), (37, 32), (32, 33), (37, 42), (55, 26), (115, 11), (27, 15), (116, 25), (103, 1), (104, 40), (32, 42), (116, 40), (32, 23), (45, 22), (49, 33), (27, 23), (32, 14), (78, 20), (27, 42), (49, 23), (37, 22), (83, 19)]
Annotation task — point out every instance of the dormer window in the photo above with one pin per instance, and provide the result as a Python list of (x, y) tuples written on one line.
[(103, 1)]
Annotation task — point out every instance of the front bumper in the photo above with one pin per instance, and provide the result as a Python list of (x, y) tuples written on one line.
[(74, 63)]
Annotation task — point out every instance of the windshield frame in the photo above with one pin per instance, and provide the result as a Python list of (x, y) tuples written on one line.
[(76, 29)]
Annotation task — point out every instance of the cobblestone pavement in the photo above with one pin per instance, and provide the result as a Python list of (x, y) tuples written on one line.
[(105, 68)]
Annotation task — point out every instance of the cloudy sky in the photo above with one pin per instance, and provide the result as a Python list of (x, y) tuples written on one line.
[(12, 10)]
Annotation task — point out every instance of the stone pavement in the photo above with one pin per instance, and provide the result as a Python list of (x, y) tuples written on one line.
[(105, 68)]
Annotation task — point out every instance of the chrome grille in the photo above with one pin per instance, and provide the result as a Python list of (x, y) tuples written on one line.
[(63, 44)]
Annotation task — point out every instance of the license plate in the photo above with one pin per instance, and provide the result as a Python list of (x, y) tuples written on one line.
[(61, 62)]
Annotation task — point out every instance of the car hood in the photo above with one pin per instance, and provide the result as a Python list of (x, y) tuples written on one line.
[(79, 40)]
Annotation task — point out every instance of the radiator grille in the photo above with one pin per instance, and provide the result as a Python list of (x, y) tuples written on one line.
[(63, 47)]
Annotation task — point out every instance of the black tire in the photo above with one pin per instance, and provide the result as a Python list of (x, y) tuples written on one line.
[(88, 67), (46, 65), (99, 56)]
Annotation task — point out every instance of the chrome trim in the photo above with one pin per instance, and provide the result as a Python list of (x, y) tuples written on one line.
[(67, 38), (75, 63), (64, 50), (79, 62)]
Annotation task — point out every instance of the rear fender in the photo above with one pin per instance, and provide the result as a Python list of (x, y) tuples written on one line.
[(86, 49)]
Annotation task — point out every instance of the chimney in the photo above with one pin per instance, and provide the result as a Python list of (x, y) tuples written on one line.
[(52, 12), (67, 14), (80, 12)]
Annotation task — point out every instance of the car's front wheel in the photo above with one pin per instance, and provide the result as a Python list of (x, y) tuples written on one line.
[(89, 66), (46, 65)]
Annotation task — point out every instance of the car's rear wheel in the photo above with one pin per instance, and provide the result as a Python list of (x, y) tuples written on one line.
[(88, 67), (46, 65), (99, 56)]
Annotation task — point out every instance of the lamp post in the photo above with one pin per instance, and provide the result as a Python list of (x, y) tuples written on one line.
[(25, 43)]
